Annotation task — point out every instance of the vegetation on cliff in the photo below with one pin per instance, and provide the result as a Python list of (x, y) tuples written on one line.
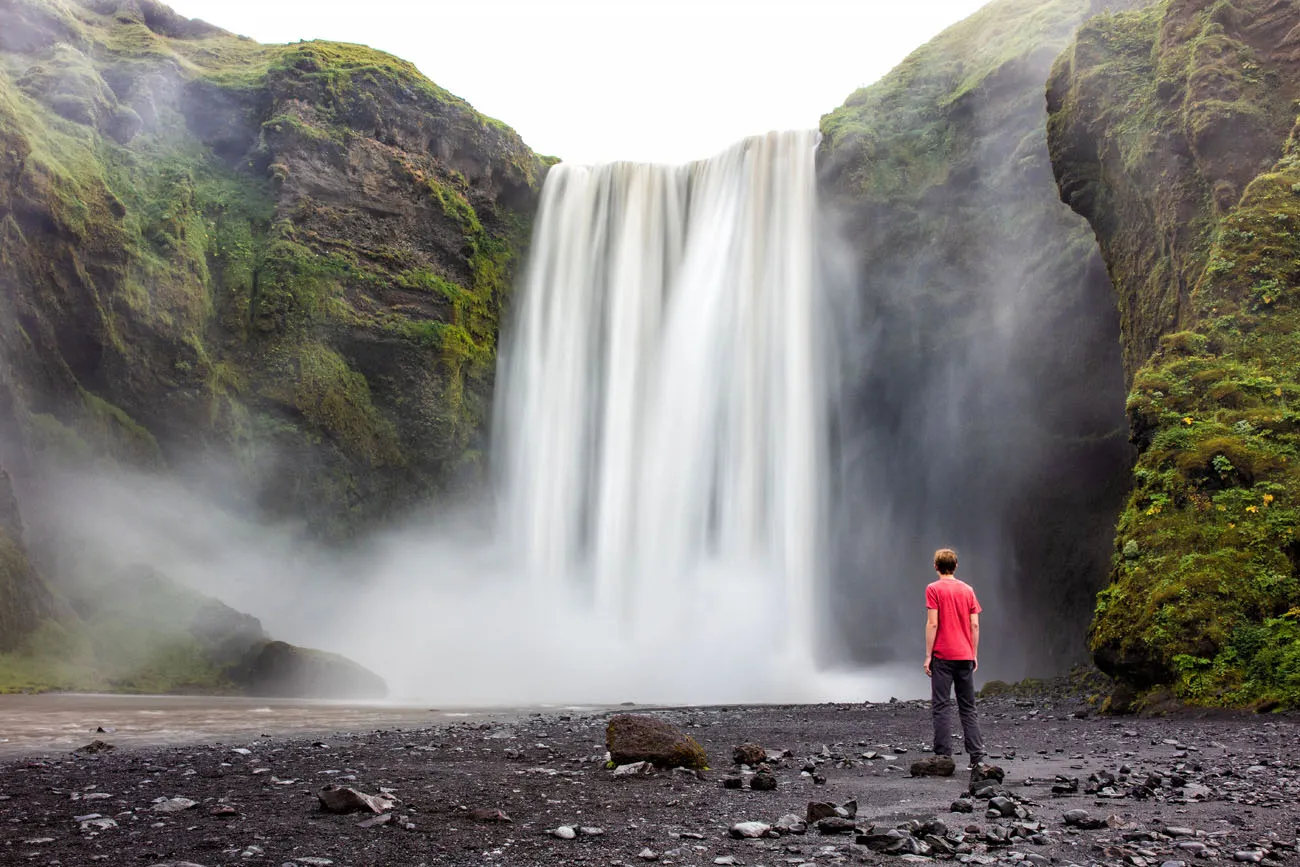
[(1172, 132), (992, 417), (286, 262)]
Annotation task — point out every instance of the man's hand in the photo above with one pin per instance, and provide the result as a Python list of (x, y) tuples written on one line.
[(976, 666), (925, 666)]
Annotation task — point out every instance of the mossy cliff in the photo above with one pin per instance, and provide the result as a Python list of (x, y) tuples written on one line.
[(285, 262), (1173, 132), (985, 411)]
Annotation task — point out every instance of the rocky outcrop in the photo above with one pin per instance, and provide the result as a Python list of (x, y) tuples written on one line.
[(277, 267), (1172, 132), (983, 403), (287, 259), (275, 668)]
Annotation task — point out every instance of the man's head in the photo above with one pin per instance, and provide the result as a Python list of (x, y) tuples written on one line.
[(945, 561)]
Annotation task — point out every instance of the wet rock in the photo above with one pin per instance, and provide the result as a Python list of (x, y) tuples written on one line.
[(763, 781), (749, 754), (634, 769), (934, 766), (341, 799), (749, 830), (836, 825), (635, 738)]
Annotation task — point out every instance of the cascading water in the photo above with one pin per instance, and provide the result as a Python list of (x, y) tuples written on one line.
[(662, 417)]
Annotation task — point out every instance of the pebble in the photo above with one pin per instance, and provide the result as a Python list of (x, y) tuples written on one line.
[(648, 854), (564, 832), (749, 830)]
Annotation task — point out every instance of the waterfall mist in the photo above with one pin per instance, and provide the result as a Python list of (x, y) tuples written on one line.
[(658, 530)]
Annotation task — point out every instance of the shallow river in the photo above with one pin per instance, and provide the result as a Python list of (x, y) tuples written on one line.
[(35, 724)]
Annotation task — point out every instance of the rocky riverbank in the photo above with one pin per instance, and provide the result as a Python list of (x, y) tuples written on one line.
[(536, 789)]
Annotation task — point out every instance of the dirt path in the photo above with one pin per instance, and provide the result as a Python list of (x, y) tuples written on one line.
[(1212, 790)]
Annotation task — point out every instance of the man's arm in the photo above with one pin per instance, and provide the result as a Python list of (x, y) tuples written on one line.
[(975, 638), (931, 630)]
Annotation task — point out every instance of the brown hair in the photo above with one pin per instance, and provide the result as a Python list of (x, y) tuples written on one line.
[(945, 561)]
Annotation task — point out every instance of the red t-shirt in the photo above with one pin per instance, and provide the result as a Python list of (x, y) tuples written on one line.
[(955, 601)]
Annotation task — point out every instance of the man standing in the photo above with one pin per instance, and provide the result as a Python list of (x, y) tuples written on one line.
[(952, 643)]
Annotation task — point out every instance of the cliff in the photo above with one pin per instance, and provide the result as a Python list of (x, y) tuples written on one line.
[(984, 396), (281, 265), (1172, 132)]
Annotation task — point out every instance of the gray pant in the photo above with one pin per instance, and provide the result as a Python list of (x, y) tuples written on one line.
[(944, 675)]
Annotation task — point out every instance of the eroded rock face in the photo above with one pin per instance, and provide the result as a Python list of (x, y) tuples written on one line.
[(280, 266), (1171, 131), (985, 389), (635, 738)]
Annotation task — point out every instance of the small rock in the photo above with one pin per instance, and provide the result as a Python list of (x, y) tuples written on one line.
[(749, 830), (635, 769), (100, 823), (648, 854), (591, 832), (818, 810), (791, 824), (749, 754), (934, 766), (564, 832), (223, 811), (376, 821), (962, 805), (1002, 806), (763, 781), (95, 746), (726, 860), (836, 825), (489, 814), (732, 782), (1250, 856), (340, 799), (984, 771), (174, 805)]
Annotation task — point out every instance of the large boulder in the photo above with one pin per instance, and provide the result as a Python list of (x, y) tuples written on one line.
[(635, 738)]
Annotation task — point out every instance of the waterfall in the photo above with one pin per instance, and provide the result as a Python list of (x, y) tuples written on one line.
[(662, 401)]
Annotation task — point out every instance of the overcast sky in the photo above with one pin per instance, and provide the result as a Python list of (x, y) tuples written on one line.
[(601, 80)]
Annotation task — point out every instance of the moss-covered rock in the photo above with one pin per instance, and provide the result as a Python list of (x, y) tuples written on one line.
[(992, 416), (638, 738), (286, 260), (1172, 132)]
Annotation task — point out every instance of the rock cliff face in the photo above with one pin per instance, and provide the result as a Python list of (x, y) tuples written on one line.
[(984, 411), (285, 262), (1172, 132)]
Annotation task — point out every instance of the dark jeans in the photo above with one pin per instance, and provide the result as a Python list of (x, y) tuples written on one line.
[(944, 675)]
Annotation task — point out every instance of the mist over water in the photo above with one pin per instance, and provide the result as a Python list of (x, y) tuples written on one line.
[(657, 528)]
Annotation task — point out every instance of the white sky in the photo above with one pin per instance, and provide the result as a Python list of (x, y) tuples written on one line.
[(601, 80)]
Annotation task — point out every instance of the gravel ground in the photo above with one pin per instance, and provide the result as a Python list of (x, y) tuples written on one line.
[(1189, 789)]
